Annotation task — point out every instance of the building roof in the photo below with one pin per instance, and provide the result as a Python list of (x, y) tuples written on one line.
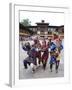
[(27, 27), (48, 26), (42, 23)]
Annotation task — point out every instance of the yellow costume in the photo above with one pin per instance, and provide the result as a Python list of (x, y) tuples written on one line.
[(58, 58)]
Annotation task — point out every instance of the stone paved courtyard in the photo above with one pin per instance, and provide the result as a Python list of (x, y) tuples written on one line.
[(39, 73)]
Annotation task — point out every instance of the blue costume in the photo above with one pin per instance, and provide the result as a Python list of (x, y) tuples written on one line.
[(52, 59), (61, 47), (52, 46)]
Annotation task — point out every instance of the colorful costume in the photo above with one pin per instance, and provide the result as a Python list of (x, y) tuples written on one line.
[(52, 60), (52, 46), (31, 56), (38, 46), (45, 54)]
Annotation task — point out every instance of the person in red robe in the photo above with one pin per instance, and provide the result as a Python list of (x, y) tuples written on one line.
[(45, 54), (38, 46)]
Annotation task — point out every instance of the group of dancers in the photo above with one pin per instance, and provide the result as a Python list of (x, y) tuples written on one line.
[(39, 53)]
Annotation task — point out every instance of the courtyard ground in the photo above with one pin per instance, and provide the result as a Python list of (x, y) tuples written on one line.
[(39, 73)]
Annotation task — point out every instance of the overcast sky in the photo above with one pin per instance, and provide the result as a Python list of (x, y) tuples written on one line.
[(51, 18)]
